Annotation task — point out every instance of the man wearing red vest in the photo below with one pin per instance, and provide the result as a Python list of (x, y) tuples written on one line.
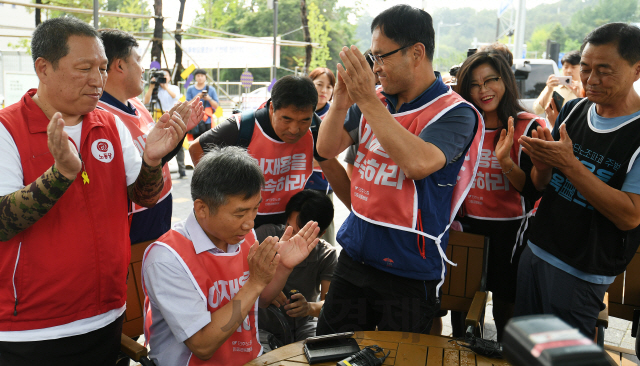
[(283, 142), (120, 97), (204, 279), (410, 176), (67, 171)]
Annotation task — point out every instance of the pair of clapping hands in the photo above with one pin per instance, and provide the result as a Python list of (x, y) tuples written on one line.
[(161, 140), (289, 251)]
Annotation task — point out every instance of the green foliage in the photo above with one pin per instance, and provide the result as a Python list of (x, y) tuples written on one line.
[(253, 18), (126, 24), (22, 44), (319, 29), (123, 6)]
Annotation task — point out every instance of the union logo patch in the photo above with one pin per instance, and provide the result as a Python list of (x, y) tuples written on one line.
[(102, 150)]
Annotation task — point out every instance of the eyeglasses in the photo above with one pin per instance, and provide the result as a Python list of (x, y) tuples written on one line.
[(491, 82), (379, 58)]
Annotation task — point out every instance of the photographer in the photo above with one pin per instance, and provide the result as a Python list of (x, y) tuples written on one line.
[(209, 98), (168, 95)]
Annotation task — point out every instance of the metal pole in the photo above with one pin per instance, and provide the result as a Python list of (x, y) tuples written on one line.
[(437, 46), (96, 20), (519, 34), (275, 37)]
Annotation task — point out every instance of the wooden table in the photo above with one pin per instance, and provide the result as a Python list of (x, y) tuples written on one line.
[(407, 349)]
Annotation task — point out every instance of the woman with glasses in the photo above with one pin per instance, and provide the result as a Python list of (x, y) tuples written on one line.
[(503, 195)]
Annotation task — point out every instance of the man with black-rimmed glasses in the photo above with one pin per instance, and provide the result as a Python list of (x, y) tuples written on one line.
[(412, 136)]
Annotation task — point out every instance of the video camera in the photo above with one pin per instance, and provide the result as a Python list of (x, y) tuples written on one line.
[(158, 75)]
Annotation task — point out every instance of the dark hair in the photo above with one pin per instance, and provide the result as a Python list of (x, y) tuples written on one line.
[(199, 71), (509, 105), (297, 91), (625, 36), (323, 71), (50, 38), (224, 172), (572, 57), (117, 44), (406, 25), (500, 47), (312, 206)]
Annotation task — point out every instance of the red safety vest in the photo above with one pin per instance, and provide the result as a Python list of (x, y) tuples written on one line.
[(286, 167), (139, 127), (72, 263), (380, 192), (218, 278), (491, 195)]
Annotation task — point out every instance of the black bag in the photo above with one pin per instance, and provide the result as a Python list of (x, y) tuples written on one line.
[(200, 128)]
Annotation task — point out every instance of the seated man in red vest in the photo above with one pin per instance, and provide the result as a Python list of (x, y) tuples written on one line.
[(67, 172), (120, 97), (205, 278), (282, 137)]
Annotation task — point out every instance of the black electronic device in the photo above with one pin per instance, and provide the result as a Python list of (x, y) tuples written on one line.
[(471, 51), (558, 100), (366, 357), (330, 347), (205, 92), (156, 77), (159, 77), (521, 69), (545, 340)]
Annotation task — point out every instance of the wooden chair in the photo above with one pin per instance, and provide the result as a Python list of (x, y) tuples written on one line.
[(464, 288), (133, 325), (622, 297)]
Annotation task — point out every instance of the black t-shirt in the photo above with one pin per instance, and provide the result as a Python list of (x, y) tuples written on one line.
[(226, 133)]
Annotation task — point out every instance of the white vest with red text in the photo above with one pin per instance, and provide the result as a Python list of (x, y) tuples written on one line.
[(382, 195), (286, 167), (218, 278), (492, 196), (139, 127)]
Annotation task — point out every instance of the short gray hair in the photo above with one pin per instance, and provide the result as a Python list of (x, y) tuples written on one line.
[(223, 172)]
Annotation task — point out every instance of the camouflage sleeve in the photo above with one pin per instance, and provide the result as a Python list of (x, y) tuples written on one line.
[(22, 208), (146, 190)]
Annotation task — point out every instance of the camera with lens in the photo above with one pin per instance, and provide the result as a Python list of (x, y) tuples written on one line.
[(158, 75)]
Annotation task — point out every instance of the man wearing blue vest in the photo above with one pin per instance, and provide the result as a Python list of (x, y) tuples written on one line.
[(412, 135), (586, 232)]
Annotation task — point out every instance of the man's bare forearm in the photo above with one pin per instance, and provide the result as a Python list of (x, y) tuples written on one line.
[(146, 190), (21, 209)]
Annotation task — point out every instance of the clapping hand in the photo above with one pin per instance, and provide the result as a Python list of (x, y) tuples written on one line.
[(62, 149), (294, 250)]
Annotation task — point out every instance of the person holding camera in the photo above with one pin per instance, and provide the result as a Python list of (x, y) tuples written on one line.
[(168, 95), (572, 90), (209, 98)]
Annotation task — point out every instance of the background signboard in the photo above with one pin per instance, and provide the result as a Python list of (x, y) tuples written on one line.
[(214, 53), (16, 84)]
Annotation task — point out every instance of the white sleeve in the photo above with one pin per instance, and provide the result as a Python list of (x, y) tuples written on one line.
[(131, 156), (10, 165), (176, 90)]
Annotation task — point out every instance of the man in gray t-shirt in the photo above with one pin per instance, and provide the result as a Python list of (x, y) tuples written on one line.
[(311, 278)]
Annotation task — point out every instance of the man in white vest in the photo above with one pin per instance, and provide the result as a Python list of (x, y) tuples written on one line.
[(120, 97), (205, 278)]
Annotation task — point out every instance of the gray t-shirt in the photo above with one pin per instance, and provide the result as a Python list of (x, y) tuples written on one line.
[(305, 277)]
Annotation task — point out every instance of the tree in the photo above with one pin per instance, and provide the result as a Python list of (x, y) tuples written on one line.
[(156, 45), (319, 29), (308, 50), (254, 18), (178, 63)]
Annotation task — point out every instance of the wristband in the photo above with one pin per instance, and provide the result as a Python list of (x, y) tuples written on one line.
[(510, 170)]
